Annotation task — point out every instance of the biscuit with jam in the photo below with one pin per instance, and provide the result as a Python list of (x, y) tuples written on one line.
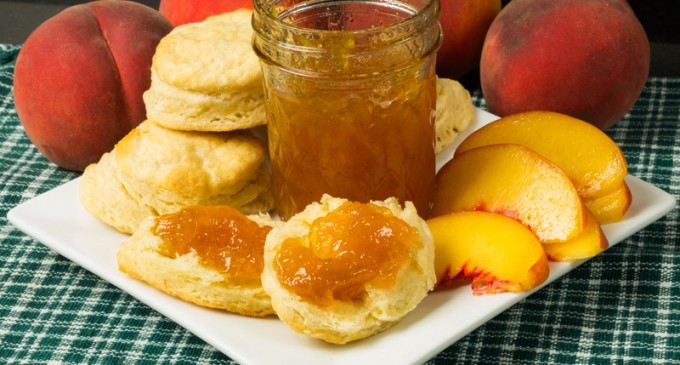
[(342, 271), (209, 256)]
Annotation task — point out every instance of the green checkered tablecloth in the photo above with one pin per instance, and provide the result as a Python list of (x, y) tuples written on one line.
[(622, 307)]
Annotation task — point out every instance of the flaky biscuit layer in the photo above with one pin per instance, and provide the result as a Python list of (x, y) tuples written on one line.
[(181, 109), (455, 112)]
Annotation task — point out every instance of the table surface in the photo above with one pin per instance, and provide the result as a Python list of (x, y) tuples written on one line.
[(621, 307)]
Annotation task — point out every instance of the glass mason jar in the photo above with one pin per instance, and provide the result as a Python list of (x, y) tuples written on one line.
[(350, 97)]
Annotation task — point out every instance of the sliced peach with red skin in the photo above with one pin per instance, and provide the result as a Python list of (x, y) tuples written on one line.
[(592, 160), (498, 253), (513, 180), (612, 207), (588, 244)]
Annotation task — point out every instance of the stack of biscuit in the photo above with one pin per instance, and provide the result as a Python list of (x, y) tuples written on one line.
[(196, 147)]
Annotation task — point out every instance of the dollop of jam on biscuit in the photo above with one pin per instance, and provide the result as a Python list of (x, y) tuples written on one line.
[(224, 240), (352, 246)]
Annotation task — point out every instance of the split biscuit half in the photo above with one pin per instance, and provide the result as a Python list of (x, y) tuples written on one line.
[(378, 308), (146, 257)]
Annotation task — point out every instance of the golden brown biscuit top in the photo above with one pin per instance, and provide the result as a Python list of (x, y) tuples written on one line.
[(190, 163), (214, 55)]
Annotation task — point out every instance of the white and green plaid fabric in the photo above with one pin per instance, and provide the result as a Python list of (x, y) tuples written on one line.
[(622, 307)]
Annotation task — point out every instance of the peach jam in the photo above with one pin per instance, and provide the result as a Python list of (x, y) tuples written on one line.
[(224, 240), (350, 247), (350, 98)]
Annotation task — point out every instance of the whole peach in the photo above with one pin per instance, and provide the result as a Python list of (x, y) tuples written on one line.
[(80, 76), (584, 58), (464, 26), (189, 11)]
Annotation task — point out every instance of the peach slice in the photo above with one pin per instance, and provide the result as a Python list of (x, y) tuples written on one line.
[(515, 181), (612, 207), (498, 253), (588, 244), (593, 162)]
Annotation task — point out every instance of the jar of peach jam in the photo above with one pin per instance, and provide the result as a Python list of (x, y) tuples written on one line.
[(350, 97)]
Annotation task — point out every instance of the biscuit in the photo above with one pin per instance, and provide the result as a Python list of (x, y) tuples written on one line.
[(378, 308), (145, 258), (155, 170), (103, 195), (454, 112), (205, 76)]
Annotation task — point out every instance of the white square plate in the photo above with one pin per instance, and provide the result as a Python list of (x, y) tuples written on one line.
[(57, 219)]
